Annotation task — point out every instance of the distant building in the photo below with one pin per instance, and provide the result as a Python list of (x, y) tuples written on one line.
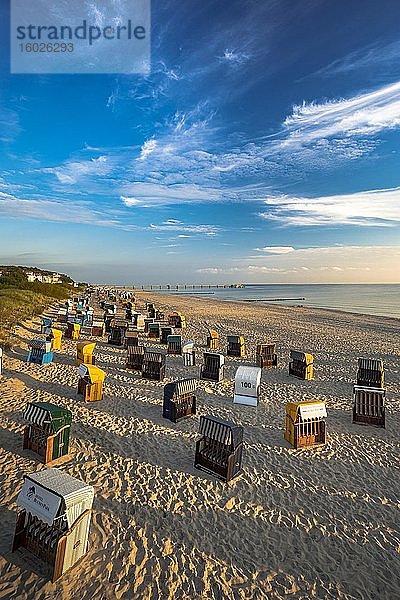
[(53, 278)]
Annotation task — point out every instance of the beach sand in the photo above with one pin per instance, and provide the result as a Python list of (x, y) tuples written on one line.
[(312, 523)]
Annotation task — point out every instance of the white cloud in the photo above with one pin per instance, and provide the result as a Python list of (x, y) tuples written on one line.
[(74, 170), (156, 194), (130, 201), (276, 249), (148, 147), (199, 229), (370, 208), (364, 114)]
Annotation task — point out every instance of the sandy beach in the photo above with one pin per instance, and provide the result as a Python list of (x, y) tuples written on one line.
[(311, 523)]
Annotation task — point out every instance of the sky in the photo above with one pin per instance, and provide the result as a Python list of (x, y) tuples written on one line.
[(261, 147)]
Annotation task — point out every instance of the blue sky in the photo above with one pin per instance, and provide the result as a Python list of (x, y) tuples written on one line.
[(262, 147)]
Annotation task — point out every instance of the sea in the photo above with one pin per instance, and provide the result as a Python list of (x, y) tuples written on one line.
[(369, 299)]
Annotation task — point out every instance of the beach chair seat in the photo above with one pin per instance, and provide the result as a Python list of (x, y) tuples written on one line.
[(55, 519), (213, 339), (90, 384), (55, 338), (219, 451), (40, 352), (174, 344), (213, 367), (247, 386), (154, 330), (188, 354), (305, 423), (369, 406), (84, 353), (179, 400), (73, 330), (134, 360), (165, 332), (370, 373), (131, 338), (236, 346), (48, 430), (153, 365), (301, 364), (266, 355)]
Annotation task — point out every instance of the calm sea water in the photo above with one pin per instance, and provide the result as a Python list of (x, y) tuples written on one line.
[(367, 299)]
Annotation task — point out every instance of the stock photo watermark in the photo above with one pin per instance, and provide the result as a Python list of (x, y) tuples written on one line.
[(80, 36)]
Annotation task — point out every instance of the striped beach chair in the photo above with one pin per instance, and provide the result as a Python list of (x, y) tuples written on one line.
[(40, 352), (301, 364), (213, 367), (369, 405), (370, 373), (219, 451), (174, 344), (188, 354), (179, 399), (134, 360), (266, 355), (48, 430), (165, 332), (153, 365)]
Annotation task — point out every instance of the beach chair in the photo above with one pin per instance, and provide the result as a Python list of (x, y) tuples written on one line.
[(90, 384), (370, 373), (73, 330), (236, 346), (151, 310), (55, 338), (159, 315), (40, 352), (219, 451), (188, 354), (84, 353), (305, 424), (1, 361), (48, 430), (108, 319), (179, 399), (213, 367), (46, 325), (134, 358), (62, 315), (266, 355), (147, 322), (153, 365), (55, 519), (176, 319), (301, 364), (131, 338), (369, 405), (174, 344), (247, 386), (117, 333), (98, 328), (138, 321), (154, 330), (165, 332), (213, 339)]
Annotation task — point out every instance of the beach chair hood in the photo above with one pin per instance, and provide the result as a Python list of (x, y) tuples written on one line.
[(94, 373)]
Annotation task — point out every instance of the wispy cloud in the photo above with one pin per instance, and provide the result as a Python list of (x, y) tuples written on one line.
[(209, 230), (276, 249), (374, 208), (387, 55), (74, 170)]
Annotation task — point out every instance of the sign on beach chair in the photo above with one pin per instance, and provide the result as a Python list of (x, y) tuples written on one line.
[(154, 330), (247, 386), (73, 330), (370, 372), (97, 328), (219, 451), (174, 344), (305, 423), (153, 365), (40, 352), (213, 367), (236, 346), (369, 405), (55, 519), (165, 332), (90, 384), (131, 338), (55, 337), (134, 360), (266, 355), (179, 399), (84, 353), (48, 430), (213, 339), (301, 365), (188, 354)]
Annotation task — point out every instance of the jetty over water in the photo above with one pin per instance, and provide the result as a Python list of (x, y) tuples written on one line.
[(188, 286)]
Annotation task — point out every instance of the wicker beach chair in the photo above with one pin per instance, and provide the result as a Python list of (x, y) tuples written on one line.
[(301, 364), (55, 338), (236, 346), (98, 328), (48, 430), (153, 365), (219, 451), (266, 355), (305, 424), (188, 354), (369, 405), (55, 519), (247, 386), (179, 399), (117, 333), (174, 344), (90, 384), (40, 352), (84, 353), (154, 331), (213, 367), (165, 332), (46, 325), (131, 338), (176, 319), (134, 360), (73, 330), (370, 373), (213, 339)]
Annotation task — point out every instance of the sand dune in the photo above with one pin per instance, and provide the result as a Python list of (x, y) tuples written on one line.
[(312, 523)]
